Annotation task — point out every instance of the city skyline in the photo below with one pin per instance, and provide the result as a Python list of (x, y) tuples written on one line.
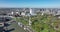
[(30, 3)]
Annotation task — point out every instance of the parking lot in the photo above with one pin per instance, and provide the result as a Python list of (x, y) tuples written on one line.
[(15, 28)]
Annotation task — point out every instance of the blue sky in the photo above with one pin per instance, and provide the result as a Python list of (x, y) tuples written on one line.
[(30, 3)]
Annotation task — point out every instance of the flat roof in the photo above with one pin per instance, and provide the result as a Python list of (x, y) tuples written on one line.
[(4, 18)]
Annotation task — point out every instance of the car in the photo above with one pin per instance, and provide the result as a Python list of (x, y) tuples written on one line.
[(25, 27)]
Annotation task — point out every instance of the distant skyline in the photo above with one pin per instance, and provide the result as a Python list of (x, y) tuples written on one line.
[(30, 3)]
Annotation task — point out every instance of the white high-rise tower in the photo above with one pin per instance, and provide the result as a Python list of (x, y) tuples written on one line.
[(31, 12), (12, 12)]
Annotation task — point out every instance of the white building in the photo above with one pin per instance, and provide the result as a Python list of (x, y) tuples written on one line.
[(12, 12), (32, 11), (23, 13)]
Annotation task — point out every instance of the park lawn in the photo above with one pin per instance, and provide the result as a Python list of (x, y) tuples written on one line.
[(22, 20)]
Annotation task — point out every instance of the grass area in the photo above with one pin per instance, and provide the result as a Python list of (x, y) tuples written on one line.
[(22, 20), (41, 23)]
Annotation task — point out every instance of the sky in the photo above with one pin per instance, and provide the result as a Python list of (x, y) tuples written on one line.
[(30, 3)]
